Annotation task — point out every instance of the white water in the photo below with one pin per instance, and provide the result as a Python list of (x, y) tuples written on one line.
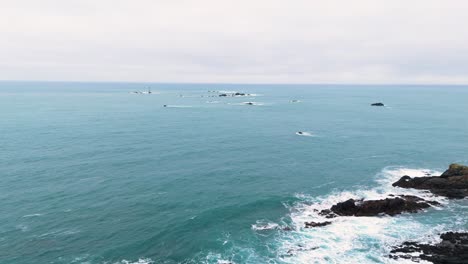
[(355, 239)]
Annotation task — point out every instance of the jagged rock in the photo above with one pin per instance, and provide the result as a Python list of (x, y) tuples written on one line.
[(453, 249), (327, 213), (388, 206), (453, 183), (316, 224)]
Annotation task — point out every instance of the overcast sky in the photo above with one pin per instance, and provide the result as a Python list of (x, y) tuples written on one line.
[(235, 41)]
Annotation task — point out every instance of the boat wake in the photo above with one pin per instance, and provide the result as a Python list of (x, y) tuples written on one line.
[(304, 133)]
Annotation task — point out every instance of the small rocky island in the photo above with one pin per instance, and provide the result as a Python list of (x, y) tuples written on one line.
[(387, 206), (453, 183)]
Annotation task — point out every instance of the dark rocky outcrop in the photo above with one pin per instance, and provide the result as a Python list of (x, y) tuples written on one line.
[(453, 249), (455, 170), (453, 183), (388, 206), (316, 224), (377, 104), (327, 213)]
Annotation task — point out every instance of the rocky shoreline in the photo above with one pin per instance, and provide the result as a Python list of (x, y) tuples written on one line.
[(387, 206), (453, 249), (452, 184)]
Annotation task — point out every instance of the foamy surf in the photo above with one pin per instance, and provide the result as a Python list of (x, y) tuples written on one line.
[(355, 239), (31, 215), (139, 261), (264, 225)]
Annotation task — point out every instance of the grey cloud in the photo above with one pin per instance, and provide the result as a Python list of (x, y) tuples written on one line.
[(275, 41)]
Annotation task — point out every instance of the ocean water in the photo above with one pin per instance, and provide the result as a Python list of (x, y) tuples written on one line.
[(91, 173)]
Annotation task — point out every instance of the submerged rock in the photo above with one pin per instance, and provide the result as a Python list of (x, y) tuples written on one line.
[(388, 206), (377, 104), (453, 183), (298, 248), (452, 249)]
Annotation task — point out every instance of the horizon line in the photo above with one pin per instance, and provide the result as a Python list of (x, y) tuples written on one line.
[(238, 83)]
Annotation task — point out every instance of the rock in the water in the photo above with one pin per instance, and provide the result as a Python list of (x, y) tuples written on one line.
[(453, 183), (327, 213), (388, 206), (453, 249), (377, 104), (316, 224)]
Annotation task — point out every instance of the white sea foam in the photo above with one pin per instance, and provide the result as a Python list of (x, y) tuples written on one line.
[(354, 239), (139, 261), (264, 225), (32, 215), (216, 258), (223, 261)]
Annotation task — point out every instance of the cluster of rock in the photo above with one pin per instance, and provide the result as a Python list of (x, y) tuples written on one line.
[(233, 94), (387, 206), (453, 184), (453, 249)]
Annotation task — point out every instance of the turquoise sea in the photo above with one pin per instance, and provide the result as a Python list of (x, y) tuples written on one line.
[(92, 173)]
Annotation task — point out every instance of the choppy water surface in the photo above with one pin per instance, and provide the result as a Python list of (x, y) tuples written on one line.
[(92, 173)]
